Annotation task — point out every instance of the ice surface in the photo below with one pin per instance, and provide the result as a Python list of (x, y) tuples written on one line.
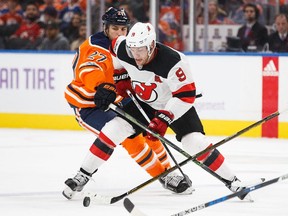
[(35, 163)]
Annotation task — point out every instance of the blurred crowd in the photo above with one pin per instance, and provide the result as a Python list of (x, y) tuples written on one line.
[(42, 25), (61, 24), (231, 11)]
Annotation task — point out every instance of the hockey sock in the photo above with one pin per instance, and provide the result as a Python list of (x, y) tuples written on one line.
[(98, 153), (143, 155), (159, 149), (196, 142)]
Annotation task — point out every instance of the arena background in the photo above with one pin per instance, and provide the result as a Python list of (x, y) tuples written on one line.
[(237, 91)]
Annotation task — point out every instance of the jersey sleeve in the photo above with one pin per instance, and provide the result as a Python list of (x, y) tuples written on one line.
[(182, 86), (92, 65)]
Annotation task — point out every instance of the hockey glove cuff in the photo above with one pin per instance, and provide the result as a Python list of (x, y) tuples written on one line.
[(160, 123), (105, 94)]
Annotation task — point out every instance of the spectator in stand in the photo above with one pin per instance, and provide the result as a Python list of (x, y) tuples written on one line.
[(278, 41), (71, 31), (215, 13), (126, 6), (31, 31), (83, 5), (170, 25), (269, 10), (232, 6), (67, 13), (239, 16), (82, 37), (284, 6), (56, 5), (50, 14), (10, 21), (3, 6), (140, 9), (51, 3), (13, 14), (253, 35), (8, 5), (96, 16), (54, 39)]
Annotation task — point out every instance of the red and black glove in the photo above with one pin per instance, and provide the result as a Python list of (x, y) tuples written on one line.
[(105, 94), (160, 123), (122, 82)]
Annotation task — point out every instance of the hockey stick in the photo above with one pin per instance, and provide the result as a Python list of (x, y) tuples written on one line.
[(164, 140), (148, 120), (203, 166), (230, 196), (131, 208), (111, 200), (177, 148)]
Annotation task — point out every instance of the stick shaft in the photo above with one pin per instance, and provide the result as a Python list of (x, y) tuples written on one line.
[(230, 196), (148, 120), (193, 158)]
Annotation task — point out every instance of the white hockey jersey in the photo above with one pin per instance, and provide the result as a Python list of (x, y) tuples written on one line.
[(165, 83)]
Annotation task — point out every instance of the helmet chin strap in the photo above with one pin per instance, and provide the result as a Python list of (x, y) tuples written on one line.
[(150, 53)]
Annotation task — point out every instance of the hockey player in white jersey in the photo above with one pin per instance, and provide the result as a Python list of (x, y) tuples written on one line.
[(162, 81)]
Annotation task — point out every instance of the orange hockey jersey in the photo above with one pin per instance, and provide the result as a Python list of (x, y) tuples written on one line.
[(92, 65)]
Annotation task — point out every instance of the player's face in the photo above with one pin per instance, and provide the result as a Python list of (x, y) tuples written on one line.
[(140, 54), (115, 31)]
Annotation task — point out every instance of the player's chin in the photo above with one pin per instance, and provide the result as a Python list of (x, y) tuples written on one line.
[(139, 61)]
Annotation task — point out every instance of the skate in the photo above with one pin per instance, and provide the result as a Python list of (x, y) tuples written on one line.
[(176, 183), (236, 185), (75, 184)]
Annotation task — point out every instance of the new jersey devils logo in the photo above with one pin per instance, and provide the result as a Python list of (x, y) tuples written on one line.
[(146, 92)]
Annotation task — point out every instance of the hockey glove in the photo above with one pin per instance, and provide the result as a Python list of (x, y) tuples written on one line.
[(105, 94), (160, 123), (122, 82)]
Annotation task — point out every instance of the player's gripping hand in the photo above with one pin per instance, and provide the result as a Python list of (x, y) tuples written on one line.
[(105, 94), (122, 82), (160, 123)]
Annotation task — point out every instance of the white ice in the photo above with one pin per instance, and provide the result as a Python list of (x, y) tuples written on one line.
[(35, 163)]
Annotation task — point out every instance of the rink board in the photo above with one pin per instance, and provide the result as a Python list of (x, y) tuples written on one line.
[(32, 91)]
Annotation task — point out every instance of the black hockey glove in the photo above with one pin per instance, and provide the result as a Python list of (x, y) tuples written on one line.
[(105, 94)]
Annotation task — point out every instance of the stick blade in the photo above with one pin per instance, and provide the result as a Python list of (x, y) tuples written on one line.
[(130, 207), (96, 199)]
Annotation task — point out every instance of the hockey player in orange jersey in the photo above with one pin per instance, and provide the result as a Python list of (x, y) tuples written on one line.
[(93, 68)]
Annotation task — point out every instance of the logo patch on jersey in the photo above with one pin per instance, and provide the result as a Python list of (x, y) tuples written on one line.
[(146, 92), (158, 79)]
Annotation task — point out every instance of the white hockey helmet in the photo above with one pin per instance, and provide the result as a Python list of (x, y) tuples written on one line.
[(141, 34)]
